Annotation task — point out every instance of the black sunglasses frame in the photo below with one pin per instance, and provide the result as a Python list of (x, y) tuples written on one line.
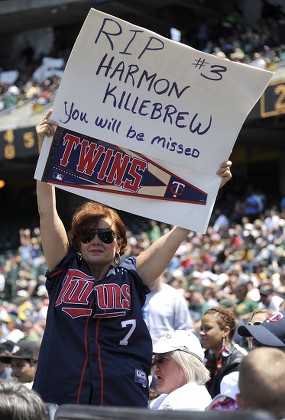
[(159, 360), (106, 235)]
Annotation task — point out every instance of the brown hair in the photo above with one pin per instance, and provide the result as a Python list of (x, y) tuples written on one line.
[(90, 213), (225, 318), (266, 312)]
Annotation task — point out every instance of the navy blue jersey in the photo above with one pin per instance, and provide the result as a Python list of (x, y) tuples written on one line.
[(96, 347)]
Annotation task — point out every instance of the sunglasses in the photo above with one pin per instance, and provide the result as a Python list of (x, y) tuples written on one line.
[(106, 235), (159, 360), (254, 323)]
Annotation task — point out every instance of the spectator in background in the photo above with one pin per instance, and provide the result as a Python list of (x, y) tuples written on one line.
[(5, 350), (154, 231), (226, 400), (268, 298), (209, 293), (259, 315), (181, 374), (270, 333), (22, 363), (11, 330), (222, 355), (29, 330), (252, 206), (243, 305), (165, 309), (221, 220), (17, 402), (258, 61), (256, 318), (197, 305), (261, 381), (252, 291)]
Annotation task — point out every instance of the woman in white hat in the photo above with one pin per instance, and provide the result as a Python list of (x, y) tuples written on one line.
[(180, 373)]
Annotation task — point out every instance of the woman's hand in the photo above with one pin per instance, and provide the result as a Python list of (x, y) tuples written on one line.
[(46, 128), (225, 172)]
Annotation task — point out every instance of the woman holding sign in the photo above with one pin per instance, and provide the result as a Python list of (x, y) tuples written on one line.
[(96, 348)]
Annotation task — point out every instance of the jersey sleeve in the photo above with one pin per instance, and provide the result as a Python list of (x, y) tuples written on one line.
[(130, 265)]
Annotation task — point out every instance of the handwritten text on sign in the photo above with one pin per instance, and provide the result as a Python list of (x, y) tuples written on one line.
[(178, 107), (133, 88)]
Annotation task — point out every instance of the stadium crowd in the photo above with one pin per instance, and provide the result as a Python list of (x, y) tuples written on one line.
[(35, 77), (235, 264)]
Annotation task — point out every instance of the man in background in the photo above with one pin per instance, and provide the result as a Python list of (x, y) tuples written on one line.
[(5, 350), (165, 309), (22, 363), (261, 381)]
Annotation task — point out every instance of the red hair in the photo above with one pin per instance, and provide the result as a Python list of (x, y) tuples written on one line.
[(90, 213)]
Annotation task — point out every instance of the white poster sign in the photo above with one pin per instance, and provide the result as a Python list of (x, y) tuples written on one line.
[(180, 109)]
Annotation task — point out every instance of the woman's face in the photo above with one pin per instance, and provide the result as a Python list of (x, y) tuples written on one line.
[(96, 252), (169, 374), (211, 335)]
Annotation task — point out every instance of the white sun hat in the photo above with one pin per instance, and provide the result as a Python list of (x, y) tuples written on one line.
[(179, 340)]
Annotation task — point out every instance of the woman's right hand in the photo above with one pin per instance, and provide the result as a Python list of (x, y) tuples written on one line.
[(46, 128)]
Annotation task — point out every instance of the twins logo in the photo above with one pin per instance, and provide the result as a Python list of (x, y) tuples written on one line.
[(177, 188), (275, 317), (112, 300)]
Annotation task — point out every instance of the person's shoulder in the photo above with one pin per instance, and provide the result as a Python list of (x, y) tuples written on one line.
[(169, 289), (129, 263), (156, 403), (172, 293), (238, 351), (179, 398)]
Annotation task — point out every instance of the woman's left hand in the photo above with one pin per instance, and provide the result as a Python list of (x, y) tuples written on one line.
[(225, 172)]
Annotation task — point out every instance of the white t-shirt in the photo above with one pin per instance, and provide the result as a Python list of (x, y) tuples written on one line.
[(192, 396), (274, 303), (166, 310)]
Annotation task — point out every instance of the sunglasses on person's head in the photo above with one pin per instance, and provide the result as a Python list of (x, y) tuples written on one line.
[(106, 235), (254, 323)]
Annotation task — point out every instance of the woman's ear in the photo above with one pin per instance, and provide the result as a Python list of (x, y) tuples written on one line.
[(118, 245), (227, 331)]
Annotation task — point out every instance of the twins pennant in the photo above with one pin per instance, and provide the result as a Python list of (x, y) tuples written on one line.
[(83, 162)]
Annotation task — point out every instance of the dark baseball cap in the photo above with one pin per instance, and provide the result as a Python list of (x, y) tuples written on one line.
[(23, 350), (270, 333), (7, 345)]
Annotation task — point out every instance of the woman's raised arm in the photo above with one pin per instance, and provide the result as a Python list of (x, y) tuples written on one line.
[(53, 234)]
